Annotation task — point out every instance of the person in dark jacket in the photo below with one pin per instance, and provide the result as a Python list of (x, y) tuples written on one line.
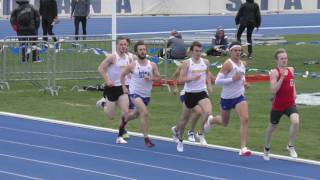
[(219, 44), (248, 17), (49, 13), (25, 20), (80, 10)]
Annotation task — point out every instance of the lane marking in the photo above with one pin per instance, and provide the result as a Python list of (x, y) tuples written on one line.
[(102, 157), (19, 175), (64, 166), (160, 153)]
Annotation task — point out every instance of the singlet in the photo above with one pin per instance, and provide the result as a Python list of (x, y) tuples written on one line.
[(115, 69), (138, 85), (236, 88), (284, 98), (193, 70)]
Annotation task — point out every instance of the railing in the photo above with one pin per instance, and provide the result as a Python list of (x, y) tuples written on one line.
[(67, 59)]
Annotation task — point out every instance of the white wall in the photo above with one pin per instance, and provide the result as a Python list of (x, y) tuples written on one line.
[(185, 7)]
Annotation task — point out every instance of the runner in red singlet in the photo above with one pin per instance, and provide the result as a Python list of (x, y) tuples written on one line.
[(284, 91)]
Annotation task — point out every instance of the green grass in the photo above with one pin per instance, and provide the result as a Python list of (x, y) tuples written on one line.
[(165, 108)]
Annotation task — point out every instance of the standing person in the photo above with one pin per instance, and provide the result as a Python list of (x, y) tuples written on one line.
[(284, 91), (25, 20), (49, 14), (143, 73), (232, 78), (196, 77), (80, 10), (248, 17), (110, 69)]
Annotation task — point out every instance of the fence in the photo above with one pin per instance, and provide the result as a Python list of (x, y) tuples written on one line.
[(68, 59)]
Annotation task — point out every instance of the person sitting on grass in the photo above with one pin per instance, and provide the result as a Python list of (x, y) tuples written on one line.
[(219, 44)]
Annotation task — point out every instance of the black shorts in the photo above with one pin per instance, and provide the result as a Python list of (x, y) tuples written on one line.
[(276, 115), (112, 93), (192, 99)]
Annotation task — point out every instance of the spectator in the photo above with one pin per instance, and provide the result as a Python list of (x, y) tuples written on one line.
[(219, 44), (49, 13), (80, 10), (176, 45), (248, 17), (25, 20)]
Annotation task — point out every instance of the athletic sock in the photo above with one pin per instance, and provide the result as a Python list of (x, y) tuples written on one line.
[(122, 127)]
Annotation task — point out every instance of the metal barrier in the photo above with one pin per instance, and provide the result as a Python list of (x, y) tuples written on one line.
[(67, 59), (3, 83)]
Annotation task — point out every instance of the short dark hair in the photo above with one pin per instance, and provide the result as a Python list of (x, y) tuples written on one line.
[(139, 43), (234, 43), (279, 51), (195, 44), (119, 38)]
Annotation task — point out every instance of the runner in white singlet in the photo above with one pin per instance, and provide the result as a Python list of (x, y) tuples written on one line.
[(143, 73)]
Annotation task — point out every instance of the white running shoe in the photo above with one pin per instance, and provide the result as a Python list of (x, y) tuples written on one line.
[(245, 152), (292, 151), (191, 137), (174, 134), (180, 146), (266, 154), (120, 140), (202, 139), (207, 125), (101, 103)]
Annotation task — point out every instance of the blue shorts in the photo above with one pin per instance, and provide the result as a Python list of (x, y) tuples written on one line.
[(145, 100), (182, 98), (227, 104)]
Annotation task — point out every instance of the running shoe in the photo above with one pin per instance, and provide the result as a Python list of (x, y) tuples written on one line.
[(245, 152), (125, 135), (120, 140), (148, 143), (292, 151), (180, 146), (174, 134), (191, 136), (266, 154), (208, 125), (101, 103), (201, 139)]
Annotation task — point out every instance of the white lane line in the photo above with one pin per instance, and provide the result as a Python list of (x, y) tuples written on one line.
[(19, 175), (166, 139), (107, 158), (160, 153), (64, 166)]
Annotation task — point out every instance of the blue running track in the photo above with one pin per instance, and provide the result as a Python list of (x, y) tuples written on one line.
[(290, 23), (32, 149)]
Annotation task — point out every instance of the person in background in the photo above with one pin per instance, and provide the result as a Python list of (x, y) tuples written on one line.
[(248, 17), (219, 44), (176, 46), (49, 16), (25, 20), (80, 10)]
